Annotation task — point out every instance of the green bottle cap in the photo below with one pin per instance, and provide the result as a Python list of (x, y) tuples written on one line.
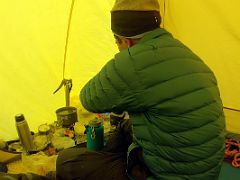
[(95, 122)]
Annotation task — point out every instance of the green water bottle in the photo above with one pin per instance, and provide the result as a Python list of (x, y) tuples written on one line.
[(95, 135)]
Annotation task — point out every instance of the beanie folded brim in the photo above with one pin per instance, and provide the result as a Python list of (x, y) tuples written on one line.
[(131, 23)]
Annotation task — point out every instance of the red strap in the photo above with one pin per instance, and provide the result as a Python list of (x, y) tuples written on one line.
[(236, 160), (230, 151)]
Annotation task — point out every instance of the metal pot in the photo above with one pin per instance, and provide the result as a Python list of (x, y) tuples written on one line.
[(66, 116)]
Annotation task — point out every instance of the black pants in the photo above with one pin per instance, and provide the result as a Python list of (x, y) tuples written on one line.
[(110, 163)]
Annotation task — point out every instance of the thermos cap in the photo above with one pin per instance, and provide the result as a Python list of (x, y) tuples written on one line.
[(19, 117)]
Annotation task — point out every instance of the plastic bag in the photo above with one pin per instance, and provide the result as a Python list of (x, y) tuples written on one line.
[(39, 163)]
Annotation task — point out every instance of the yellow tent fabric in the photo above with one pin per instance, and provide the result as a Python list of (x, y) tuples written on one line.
[(32, 45)]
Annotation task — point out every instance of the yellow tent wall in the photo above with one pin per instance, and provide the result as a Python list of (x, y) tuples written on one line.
[(32, 45)]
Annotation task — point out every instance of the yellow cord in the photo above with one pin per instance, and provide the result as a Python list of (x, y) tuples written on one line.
[(67, 38)]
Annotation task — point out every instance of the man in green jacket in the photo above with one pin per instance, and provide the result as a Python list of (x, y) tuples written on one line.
[(171, 95)]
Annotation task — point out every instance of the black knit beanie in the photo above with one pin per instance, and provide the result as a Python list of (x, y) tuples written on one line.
[(134, 17)]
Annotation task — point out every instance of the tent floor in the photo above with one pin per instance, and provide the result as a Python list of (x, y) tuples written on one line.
[(229, 172)]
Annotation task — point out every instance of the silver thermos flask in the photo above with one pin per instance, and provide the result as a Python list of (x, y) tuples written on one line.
[(24, 133)]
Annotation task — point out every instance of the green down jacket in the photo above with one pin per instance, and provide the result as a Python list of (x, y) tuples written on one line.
[(174, 102)]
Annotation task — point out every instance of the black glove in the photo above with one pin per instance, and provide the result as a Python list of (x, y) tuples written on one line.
[(121, 137), (115, 119)]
